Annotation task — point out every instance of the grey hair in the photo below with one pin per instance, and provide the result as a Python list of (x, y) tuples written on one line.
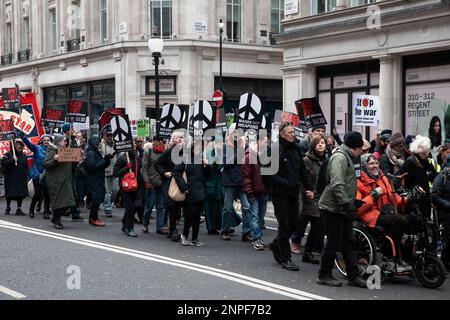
[(175, 135), (420, 145)]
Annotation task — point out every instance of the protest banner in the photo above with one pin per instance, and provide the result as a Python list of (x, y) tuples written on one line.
[(292, 118), (11, 98), (121, 129), (310, 113), (202, 118), (143, 127), (53, 118), (173, 117), (69, 155), (7, 130), (250, 112), (76, 111)]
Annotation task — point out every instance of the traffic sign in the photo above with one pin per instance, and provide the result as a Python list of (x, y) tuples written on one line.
[(218, 98)]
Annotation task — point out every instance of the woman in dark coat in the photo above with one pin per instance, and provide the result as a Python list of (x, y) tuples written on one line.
[(95, 178), (195, 194), (15, 168), (214, 191), (58, 180), (129, 162)]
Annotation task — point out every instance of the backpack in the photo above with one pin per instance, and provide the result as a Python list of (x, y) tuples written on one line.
[(322, 180)]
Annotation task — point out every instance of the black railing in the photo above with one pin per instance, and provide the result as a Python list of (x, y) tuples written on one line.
[(23, 56), (6, 59), (73, 44)]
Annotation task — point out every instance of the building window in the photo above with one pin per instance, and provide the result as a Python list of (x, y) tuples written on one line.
[(104, 21), (322, 6), (9, 38), (160, 18), (356, 3), (52, 28), (234, 10), (76, 23), (25, 38), (277, 14)]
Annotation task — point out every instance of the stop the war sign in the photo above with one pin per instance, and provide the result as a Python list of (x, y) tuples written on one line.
[(366, 111)]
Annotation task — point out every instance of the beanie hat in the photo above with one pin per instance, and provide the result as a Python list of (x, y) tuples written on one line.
[(57, 138), (397, 139), (386, 135), (45, 136), (354, 140), (66, 127), (318, 127)]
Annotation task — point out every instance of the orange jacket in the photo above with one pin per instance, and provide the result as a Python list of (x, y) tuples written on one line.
[(370, 211)]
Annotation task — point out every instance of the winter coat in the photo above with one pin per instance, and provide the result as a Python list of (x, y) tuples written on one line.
[(305, 146), (232, 172), (16, 177), (370, 211), (164, 164), (420, 173), (214, 188), (95, 178), (58, 180), (39, 153), (291, 172), (440, 195), (252, 182), (120, 168), (312, 163), (196, 179), (106, 149), (342, 186), (149, 173)]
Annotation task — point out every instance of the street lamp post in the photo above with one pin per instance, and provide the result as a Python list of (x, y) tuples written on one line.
[(156, 47), (221, 25)]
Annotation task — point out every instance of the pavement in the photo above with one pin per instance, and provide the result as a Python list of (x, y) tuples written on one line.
[(87, 263)]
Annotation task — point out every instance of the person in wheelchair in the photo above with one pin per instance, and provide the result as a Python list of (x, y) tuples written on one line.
[(377, 210)]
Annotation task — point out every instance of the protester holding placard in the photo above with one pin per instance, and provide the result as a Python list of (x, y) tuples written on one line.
[(111, 182), (15, 168), (39, 154), (58, 180)]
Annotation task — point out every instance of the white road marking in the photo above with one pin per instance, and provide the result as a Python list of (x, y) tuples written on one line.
[(227, 275), (12, 293)]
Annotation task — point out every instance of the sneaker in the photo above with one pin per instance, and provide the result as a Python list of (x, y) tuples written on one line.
[(295, 248), (308, 257), (276, 252), (328, 281), (185, 242), (176, 237), (163, 232), (124, 229), (247, 238), (19, 212), (8, 211), (131, 233), (265, 245), (58, 225), (290, 266), (257, 245), (198, 244), (357, 282), (145, 229)]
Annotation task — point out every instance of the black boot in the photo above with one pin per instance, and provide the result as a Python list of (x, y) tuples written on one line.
[(19, 212), (31, 214), (308, 257), (8, 211), (47, 215)]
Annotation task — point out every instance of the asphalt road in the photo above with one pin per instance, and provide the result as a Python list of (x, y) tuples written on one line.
[(81, 262)]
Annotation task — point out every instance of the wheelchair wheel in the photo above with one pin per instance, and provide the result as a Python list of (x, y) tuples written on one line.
[(366, 252), (430, 272)]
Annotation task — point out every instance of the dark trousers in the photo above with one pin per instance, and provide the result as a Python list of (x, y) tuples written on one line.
[(396, 226), (191, 213), (129, 199), (340, 238), (93, 214), (316, 234), (39, 194), (58, 213), (174, 212), (445, 257), (286, 211), (19, 202), (213, 213)]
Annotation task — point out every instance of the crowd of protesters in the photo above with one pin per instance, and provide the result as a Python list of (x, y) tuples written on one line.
[(211, 188)]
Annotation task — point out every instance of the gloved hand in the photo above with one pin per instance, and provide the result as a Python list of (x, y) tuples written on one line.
[(251, 199), (349, 210), (109, 157)]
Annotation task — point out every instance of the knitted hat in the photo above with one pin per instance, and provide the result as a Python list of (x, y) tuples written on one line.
[(318, 127), (353, 140), (45, 136), (66, 127), (386, 135), (397, 139), (57, 138)]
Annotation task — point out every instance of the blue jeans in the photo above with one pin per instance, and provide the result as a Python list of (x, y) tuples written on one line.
[(111, 188), (230, 193), (257, 212), (154, 198)]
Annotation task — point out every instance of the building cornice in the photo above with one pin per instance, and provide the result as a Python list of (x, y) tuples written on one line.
[(345, 21)]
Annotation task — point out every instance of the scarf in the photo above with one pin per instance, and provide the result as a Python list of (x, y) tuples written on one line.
[(159, 149), (395, 158)]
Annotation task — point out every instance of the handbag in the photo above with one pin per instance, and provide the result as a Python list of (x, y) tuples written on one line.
[(174, 191), (129, 181)]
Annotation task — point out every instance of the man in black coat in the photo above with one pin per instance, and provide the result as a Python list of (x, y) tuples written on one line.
[(285, 189), (15, 168)]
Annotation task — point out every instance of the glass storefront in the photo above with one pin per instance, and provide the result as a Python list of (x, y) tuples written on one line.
[(100, 96)]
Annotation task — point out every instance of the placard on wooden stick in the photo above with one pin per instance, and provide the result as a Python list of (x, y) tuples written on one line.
[(69, 155)]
